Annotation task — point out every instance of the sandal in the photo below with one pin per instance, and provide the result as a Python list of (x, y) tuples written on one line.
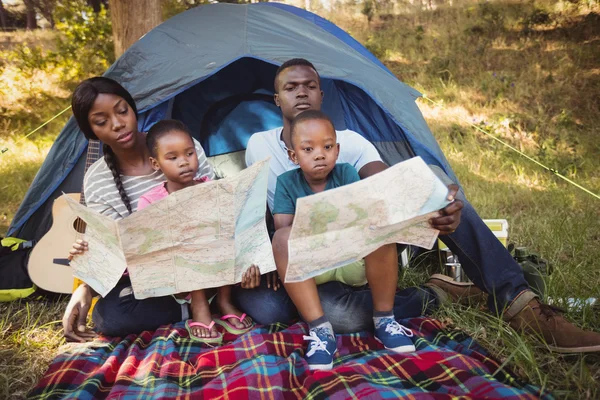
[(185, 300), (229, 327), (189, 324)]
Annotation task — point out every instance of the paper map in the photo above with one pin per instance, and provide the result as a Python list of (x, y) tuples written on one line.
[(339, 226), (203, 236)]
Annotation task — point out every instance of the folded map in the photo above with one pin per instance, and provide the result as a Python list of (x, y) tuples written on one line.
[(339, 226), (203, 236)]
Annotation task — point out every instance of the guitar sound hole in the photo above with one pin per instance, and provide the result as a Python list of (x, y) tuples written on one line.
[(79, 225)]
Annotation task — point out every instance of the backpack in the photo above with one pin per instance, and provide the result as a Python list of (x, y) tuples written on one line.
[(14, 279)]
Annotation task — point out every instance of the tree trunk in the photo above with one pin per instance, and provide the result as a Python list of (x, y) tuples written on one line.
[(3, 17), (131, 20), (31, 21)]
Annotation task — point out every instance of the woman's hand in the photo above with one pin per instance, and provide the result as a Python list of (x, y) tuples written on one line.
[(74, 319), (79, 247), (273, 280), (251, 278)]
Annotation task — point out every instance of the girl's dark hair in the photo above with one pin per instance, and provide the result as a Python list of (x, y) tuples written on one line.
[(160, 129), (82, 102)]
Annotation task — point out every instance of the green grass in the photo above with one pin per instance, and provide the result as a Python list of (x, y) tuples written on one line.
[(528, 72), (535, 86), (30, 335)]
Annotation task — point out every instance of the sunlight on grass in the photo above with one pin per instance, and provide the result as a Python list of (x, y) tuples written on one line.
[(29, 338), (17, 88), (18, 167)]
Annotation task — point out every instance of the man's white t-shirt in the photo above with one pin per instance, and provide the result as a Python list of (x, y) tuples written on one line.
[(354, 150)]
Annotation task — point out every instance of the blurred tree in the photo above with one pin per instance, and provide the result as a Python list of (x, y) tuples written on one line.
[(3, 17), (131, 20), (31, 16), (46, 8)]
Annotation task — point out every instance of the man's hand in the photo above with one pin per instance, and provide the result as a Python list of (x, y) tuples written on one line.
[(74, 319), (273, 280), (450, 218), (250, 278)]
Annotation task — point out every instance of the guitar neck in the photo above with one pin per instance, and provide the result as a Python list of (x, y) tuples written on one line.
[(93, 153)]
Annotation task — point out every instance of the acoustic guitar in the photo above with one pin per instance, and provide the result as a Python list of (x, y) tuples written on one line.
[(48, 265)]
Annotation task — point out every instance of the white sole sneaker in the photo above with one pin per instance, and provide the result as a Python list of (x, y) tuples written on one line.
[(409, 348), (320, 367)]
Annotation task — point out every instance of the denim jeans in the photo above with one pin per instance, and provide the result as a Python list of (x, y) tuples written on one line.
[(349, 309), (120, 313), (485, 260)]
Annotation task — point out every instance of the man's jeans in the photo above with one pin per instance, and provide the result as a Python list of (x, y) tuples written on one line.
[(483, 258), (348, 309)]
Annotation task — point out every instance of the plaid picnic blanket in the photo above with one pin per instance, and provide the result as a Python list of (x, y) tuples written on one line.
[(267, 363)]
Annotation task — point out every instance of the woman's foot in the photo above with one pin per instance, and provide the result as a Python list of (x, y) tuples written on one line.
[(201, 313)]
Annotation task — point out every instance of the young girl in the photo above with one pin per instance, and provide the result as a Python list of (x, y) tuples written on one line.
[(105, 111), (172, 152)]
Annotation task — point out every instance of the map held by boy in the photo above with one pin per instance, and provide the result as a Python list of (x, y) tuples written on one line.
[(340, 226), (203, 236)]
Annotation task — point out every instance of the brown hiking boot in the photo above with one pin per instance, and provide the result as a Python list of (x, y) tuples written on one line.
[(545, 322), (449, 290)]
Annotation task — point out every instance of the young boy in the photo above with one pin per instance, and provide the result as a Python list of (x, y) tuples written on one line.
[(315, 150)]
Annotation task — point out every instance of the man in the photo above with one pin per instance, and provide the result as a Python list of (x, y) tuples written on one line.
[(484, 259)]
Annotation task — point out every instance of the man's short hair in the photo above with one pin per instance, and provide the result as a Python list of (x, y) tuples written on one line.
[(294, 62), (308, 115)]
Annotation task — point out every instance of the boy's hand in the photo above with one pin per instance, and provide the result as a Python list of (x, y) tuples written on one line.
[(450, 218), (273, 280), (251, 278)]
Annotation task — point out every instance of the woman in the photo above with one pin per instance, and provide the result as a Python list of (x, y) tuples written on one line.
[(105, 111)]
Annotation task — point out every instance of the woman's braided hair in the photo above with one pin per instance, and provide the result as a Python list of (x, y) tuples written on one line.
[(82, 102)]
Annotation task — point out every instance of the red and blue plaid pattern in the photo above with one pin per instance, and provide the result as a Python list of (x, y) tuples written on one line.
[(268, 363)]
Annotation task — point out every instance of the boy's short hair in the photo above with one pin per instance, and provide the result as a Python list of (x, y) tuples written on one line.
[(294, 62), (308, 115), (160, 129)]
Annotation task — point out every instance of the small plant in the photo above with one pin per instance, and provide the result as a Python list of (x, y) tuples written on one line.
[(536, 17), (368, 9), (375, 47)]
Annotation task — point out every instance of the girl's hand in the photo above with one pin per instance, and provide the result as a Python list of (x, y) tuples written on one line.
[(251, 278), (74, 320), (273, 280), (79, 247)]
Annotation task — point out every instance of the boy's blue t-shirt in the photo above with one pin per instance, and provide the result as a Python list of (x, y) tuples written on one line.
[(292, 185)]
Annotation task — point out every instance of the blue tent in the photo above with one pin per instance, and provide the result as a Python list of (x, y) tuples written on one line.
[(213, 66)]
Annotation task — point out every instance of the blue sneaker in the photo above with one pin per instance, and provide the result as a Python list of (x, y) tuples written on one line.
[(321, 349), (394, 336)]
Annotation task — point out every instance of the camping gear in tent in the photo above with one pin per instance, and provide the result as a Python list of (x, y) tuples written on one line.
[(212, 67)]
